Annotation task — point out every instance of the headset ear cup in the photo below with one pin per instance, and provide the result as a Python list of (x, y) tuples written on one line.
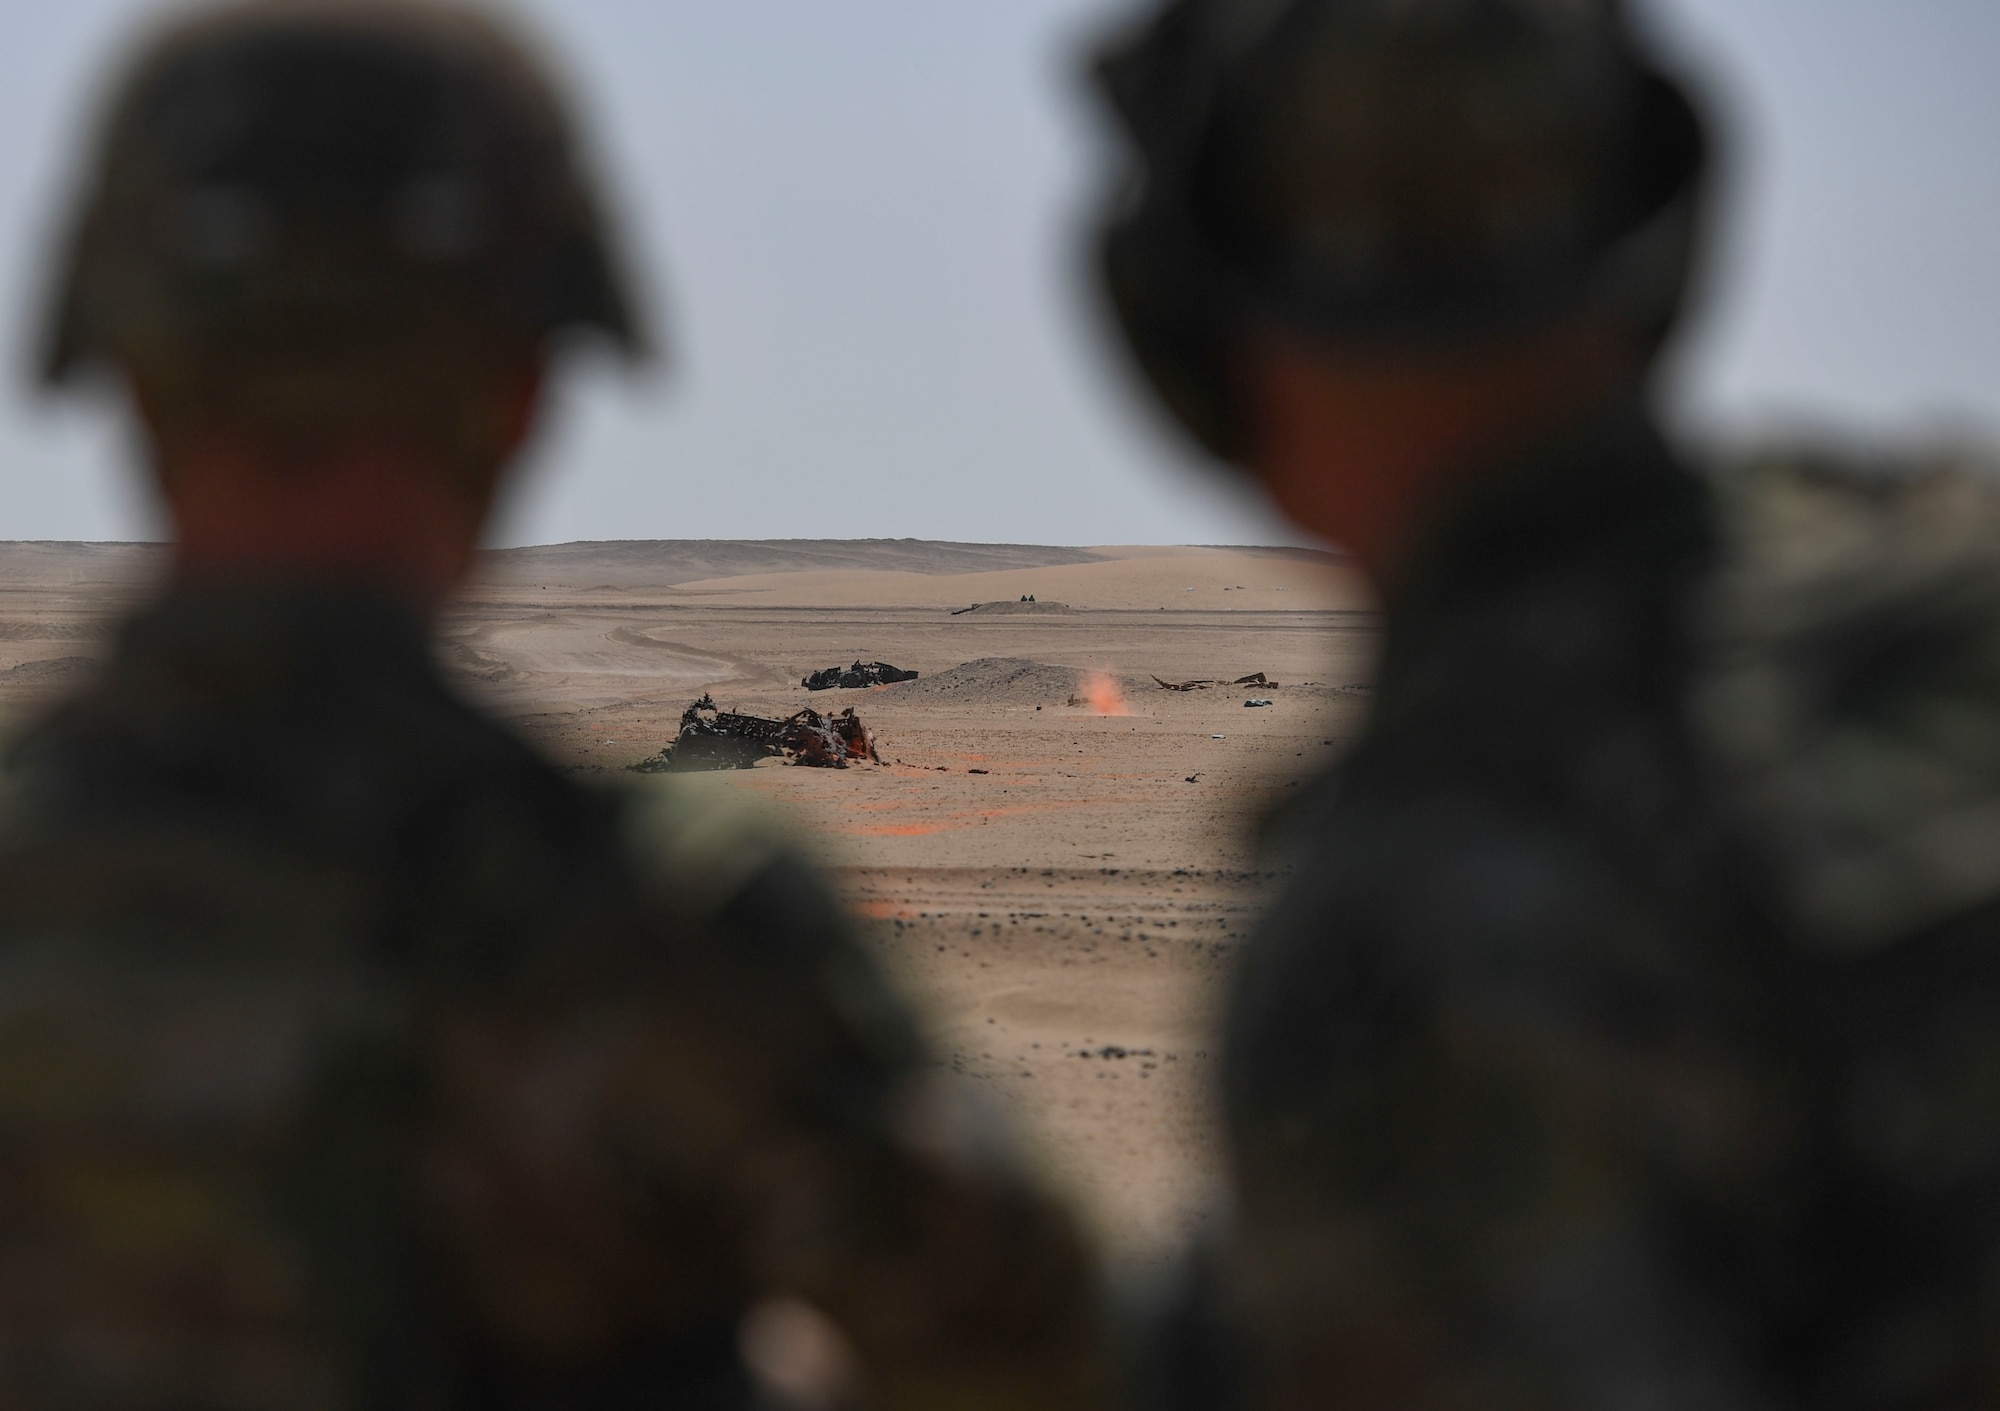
[(585, 284), (1173, 330), (1651, 273)]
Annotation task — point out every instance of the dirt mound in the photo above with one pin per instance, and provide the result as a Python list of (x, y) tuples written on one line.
[(998, 681), (1025, 605)]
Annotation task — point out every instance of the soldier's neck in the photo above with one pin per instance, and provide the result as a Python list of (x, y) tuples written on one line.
[(377, 517)]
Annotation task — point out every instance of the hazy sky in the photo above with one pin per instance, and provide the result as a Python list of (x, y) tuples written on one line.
[(859, 221)]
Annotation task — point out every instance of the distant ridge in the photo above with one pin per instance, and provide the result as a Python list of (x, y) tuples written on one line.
[(686, 560), (656, 561), (651, 563)]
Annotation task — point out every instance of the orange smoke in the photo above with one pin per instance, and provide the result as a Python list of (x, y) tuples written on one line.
[(1100, 693)]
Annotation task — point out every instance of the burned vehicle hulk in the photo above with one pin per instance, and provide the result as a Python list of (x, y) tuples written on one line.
[(713, 738), (852, 678)]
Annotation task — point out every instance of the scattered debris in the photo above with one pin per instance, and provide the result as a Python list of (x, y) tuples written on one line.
[(1256, 702), (713, 738), (48, 672), (1202, 683), (853, 678), (1193, 779)]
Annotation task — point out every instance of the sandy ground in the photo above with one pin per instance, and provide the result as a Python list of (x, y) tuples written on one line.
[(1060, 887)]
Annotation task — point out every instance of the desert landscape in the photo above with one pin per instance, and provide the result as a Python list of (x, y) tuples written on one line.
[(1056, 858)]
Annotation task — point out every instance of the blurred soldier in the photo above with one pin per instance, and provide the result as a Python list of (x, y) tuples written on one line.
[(1629, 1033), (349, 1055)]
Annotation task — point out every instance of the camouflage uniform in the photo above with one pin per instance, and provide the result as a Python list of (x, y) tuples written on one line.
[(1627, 1035), (351, 1056)]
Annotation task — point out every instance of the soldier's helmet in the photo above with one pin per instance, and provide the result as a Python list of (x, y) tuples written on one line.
[(320, 185), (1389, 173)]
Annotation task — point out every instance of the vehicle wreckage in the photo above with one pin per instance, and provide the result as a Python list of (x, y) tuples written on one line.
[(713, 738), (1202, 683), (851, 678)]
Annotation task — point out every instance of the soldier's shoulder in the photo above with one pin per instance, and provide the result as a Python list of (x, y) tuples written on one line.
[(698, 839), (1797, 512), (1849, 683)]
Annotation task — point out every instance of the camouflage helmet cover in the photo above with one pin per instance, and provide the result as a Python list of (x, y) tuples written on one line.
[(1389, 172), (319, 175)]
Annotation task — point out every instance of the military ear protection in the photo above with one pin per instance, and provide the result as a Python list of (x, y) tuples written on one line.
[(1388, 173)]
